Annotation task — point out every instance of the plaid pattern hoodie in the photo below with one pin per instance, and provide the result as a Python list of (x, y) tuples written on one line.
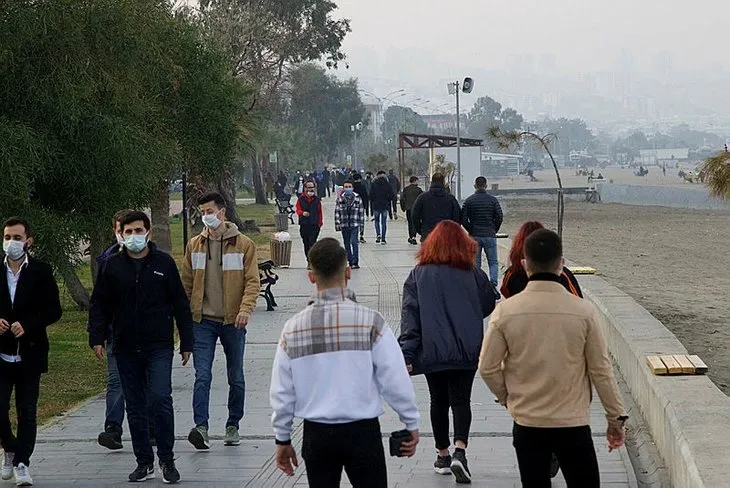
[(349, 212), (336, 362)]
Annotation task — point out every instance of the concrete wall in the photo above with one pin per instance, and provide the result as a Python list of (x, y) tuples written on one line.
[(660, 196), (688, 416)]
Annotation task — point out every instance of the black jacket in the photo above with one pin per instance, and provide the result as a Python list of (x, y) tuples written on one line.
[(432, 207), (408, 197), (481, 214), (394, 183), (140, 305), (37, 305), (360, 189), (442, 327), (381, 194)]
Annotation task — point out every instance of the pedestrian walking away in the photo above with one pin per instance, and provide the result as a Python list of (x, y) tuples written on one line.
[(29, 302), (111, 437), (358, 185), (140, 291), (337, 383), (543, 353), (395, 184), (368, 188), (381, 197), (481, 216), (441, 335), (433, 206), (515, 277), (221, 280), (349, 219), (309, 210), (408, 198)]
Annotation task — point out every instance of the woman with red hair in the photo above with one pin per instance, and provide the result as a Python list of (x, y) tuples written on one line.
[(445, 301), (515, 278)]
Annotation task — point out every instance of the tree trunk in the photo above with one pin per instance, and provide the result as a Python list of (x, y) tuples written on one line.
[(75, 288), (96, 247), (160, 209), (227, 189), (258, 182)]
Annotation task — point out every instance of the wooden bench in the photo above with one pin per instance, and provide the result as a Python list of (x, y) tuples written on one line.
[(285, 207), (268, 279)]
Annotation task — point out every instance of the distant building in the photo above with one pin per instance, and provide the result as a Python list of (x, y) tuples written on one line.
[(375, 112), (441, 123), (659, 157)]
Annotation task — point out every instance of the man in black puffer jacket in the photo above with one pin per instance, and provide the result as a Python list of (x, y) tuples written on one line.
[(433, 206), (481, 216)]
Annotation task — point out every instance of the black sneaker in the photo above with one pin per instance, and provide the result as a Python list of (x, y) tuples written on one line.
[(460, 467), (362, 240), (355, 266), (377, 240), (383, 242), (111, 438), (170, 474), (554, 466), (442, 465), (143, 472)]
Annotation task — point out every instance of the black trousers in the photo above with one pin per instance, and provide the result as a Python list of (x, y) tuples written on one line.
[(395, 205), (27, 390), (450, 389), (411, 227), (573, 446), (366, 205), (357, 447), (309, 237)]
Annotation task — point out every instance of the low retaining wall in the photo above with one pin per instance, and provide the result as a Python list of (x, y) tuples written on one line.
[(660, 196), (688, 416)]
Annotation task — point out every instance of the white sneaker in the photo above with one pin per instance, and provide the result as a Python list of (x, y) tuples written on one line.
[(7, 472), (22, 476)]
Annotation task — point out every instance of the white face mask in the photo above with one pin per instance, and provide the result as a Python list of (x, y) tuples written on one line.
[(135, 243), (14, 249), (120, 239), (211, 221)]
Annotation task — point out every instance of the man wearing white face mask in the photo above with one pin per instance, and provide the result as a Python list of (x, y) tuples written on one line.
[(29, 303), (140, 292), (221, 279)]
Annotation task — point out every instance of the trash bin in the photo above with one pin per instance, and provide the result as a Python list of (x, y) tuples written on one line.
[(282, 222), (281, 253)]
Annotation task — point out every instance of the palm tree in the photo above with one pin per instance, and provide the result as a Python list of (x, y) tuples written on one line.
[(717, 171), (506, 140)]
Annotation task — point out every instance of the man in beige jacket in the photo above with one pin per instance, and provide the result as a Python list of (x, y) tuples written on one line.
[(541, 356), (221, 279)]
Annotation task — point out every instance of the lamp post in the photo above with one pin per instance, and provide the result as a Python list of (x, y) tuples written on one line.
[(453, 87), (355, 129)]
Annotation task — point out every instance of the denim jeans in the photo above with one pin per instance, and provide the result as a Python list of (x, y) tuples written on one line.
[(381, 223), (350, 236), (233, 340), (488, 244), (147, 375), (115, 393)]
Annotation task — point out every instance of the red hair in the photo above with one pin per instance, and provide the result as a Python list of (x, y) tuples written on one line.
[(517, 253), (449, 244)]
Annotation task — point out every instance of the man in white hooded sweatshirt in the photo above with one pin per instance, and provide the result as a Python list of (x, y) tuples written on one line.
[(336, 362)]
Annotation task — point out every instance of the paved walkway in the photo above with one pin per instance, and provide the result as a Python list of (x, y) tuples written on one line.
[(67, 454)]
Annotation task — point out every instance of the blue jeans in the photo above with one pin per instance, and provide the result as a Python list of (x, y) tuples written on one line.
[(350, 237), (233, 340), (488, 244), (147, 377), (115, 393), (381, 223)]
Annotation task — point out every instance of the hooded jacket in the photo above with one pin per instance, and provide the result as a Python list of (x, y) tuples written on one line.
[(432, 207), (381, 194), (408, 196), (241, 282)]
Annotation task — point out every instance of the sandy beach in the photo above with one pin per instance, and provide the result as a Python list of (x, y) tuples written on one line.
[(674, 262)]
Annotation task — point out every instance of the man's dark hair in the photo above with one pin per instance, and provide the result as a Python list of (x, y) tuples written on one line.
[(381, 172), (214, 197), (480, 182), (543, 251), (12, 221), (438, 178), (348, 181), (414, 179), (327, 258), (390, 171), (357, 177), (121, 214), (136, 216)]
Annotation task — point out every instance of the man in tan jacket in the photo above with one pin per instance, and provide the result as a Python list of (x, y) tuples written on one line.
[(542, 354), (221, 279)]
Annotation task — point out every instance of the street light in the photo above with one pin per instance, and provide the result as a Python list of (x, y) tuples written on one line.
[(467, 85), (355, 129)]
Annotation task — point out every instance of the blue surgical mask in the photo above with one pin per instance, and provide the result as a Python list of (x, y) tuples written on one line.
[(135, 243), (349, 191)]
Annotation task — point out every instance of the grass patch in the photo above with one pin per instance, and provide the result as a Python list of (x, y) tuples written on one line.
[(74, 373)]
